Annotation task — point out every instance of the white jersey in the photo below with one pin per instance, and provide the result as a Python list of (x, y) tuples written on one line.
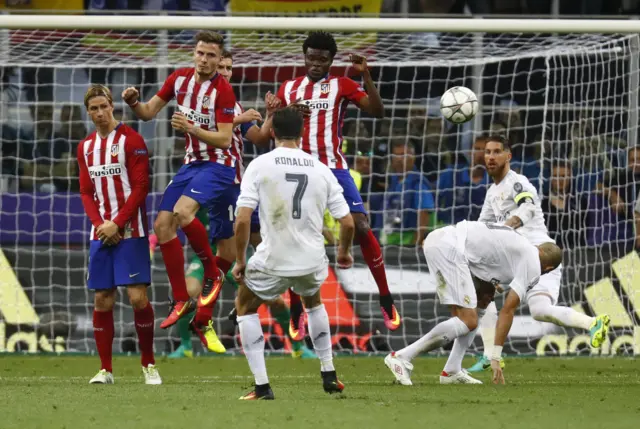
[(500, 255), (504, 198), (293, 189)]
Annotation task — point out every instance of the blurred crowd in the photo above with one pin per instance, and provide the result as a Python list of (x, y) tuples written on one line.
[(414, 170)]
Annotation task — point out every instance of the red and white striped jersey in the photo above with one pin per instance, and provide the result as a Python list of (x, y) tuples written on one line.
[(328, 99), (206, 105), (114, 180)]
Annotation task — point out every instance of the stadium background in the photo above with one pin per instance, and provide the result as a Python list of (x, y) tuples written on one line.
[(44, 304)]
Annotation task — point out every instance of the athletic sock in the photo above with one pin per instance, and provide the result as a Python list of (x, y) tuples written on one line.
[(440, 335), (253, 345), (199, 240), (320, 333), (144, 321), (103, 332), (373, 257), (173, 258)]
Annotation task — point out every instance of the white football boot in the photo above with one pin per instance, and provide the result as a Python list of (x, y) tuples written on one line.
[(400, 368), (102, 377), (151, 375), (461, 377)]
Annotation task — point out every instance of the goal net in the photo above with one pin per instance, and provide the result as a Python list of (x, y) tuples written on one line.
[(568, 104)]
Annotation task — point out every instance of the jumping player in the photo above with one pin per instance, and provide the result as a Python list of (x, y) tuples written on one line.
[(206, 106), (324, 99), (114, 183)]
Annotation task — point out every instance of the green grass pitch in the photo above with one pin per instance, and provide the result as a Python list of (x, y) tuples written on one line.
[(53, 393)]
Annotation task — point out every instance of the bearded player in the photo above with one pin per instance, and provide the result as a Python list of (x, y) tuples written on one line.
[(324, 100), (114, 182), (513, 200), (206, 107)]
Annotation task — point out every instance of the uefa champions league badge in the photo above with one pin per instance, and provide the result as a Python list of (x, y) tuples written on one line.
[(517, 187)]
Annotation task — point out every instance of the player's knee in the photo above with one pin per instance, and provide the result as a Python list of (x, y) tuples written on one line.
[(104, 300), (138, 297), (469, 317), (312, 301), (539, 308), (164, 227)]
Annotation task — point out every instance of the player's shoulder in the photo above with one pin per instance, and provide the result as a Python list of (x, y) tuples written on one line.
[(221, 84), (132, 137), (87, 140), (184, 72), (518, 182)]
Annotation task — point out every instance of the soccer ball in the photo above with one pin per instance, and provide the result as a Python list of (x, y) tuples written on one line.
[(459, 104)]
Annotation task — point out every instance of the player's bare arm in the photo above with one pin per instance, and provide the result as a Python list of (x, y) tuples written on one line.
[(261, 136), (347, 231), (505, 320), (220, 139), (372, 103), (145, 111), (242, 230), (247, 116)]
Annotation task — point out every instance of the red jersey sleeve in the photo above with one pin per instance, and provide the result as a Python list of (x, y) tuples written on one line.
[(280, 94), (225, 104), (167, 92), (137, 162), (87, 190), (352, 91)]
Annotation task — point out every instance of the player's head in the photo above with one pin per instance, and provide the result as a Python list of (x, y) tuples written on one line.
[(225, 66), (287, 126), (497, 155), (99, 103), (207, 51), (550, 257), (477, 151), (319, 49)]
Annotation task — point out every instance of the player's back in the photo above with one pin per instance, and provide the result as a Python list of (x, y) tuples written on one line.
[(504, 198), (293, 189), (499, 254)]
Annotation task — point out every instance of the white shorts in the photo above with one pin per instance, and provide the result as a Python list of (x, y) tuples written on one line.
[(447, 263), (269, 287), (549, 284)]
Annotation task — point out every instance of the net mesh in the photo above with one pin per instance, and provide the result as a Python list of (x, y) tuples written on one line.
[(568, 104)]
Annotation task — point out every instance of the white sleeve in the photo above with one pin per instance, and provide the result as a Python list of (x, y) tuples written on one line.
[(486, 214), (249, 196), (527, 271), (336, 203), (526, 198)]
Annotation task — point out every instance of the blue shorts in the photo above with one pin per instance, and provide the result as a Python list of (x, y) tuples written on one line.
[(350, 191), (222, 216), (127, 263), (204, 181)]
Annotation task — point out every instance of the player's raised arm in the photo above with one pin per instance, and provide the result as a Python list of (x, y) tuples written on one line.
[(147, 111), (87, 190), (525, 196), (371, 102), (137, 164), (261, 135)]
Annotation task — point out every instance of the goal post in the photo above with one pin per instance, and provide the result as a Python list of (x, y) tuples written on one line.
[(564, 91)]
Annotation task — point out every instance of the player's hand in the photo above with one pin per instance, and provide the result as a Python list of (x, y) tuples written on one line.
[(179, 122), (498, 376), (344, 260), (359, 62), (130, 95), (238, 271), (272, 102), (113, 240), (107, 231), (301, 107), (248, 116)]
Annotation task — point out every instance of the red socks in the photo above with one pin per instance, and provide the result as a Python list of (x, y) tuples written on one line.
[(223, 264), (199, 239), (373, 257), (144, 320), (103, 333), (174, 262)]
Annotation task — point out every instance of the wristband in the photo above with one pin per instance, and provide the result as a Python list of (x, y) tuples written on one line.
[(133, 106), (497, 352)]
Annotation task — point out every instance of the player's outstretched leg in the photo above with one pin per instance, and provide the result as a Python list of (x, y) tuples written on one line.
[(373, 257), (144, 320), (400, 362), (543, 310), (452, 372), (252, 338), (103, 332), (320, 333)]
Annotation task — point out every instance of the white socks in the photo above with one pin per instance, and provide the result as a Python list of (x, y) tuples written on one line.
[(487, 328), (253, 345), (320, 333), (460, 346), (544, 311), (440, 335)]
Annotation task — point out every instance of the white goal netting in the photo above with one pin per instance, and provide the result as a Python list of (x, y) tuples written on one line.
[(568, 104)]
